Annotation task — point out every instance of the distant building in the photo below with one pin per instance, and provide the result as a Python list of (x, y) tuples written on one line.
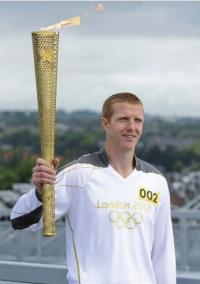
[(184, 187), (9, 197)]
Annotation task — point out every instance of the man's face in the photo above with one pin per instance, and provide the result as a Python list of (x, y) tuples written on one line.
[(124, 128)]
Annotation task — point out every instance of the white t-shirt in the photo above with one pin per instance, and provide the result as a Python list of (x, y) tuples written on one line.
[(118, 230)]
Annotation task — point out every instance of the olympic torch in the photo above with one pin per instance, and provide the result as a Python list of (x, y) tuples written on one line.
[(45, 49)]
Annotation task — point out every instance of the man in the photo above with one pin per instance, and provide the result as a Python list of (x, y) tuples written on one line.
[(117, 206)]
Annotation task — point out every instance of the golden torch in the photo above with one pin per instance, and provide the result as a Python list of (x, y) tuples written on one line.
[(45, 49)]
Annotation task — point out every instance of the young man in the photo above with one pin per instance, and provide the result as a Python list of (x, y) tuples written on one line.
[(117, 206)]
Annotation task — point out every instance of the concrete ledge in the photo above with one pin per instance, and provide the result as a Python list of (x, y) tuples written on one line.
[(36, 273), (32, 273), (188, 278)]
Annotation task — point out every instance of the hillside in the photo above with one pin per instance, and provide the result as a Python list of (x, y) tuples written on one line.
[(171, 144)]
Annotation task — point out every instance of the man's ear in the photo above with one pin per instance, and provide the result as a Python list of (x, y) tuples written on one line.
[(104, 122)]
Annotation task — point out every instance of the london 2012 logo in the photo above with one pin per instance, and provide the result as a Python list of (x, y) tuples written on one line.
[(125, 219)]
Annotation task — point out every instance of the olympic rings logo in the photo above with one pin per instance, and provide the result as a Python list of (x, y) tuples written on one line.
[(125, 219)]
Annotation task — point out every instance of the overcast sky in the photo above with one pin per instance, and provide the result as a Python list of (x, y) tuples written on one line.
[(149, 48)]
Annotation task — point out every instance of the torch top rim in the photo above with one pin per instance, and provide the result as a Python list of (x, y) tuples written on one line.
[(45, 33)]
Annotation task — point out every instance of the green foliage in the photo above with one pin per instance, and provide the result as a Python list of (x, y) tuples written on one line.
[(76, 143), (7, 178), (21, 173), (195, 147), (24, 170)]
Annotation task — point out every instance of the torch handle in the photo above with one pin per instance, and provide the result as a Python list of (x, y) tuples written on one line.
[(48, 198)]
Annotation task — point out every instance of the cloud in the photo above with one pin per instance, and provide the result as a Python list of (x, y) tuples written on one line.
[(151, 49), (157, 69)]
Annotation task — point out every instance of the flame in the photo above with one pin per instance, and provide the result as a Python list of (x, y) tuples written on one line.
[(75, 21)]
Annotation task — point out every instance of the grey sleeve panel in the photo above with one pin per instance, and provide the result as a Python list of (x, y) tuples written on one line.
[(146, 167), (27, 220), (97, 159)]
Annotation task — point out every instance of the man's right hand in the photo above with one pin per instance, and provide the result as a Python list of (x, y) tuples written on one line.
[(44, 173)]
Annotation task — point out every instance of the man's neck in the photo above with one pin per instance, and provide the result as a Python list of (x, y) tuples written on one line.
[(121, 162)]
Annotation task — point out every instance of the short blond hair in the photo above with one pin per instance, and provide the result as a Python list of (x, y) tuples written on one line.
[(125, 97)]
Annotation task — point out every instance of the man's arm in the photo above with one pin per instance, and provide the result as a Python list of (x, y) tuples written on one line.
[(163, 253), (27, 211)]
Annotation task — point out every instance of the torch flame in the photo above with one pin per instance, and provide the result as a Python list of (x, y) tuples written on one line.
[(75, 21), (65, 23)]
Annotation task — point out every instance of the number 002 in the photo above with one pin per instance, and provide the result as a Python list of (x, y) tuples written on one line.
[(149, 195)]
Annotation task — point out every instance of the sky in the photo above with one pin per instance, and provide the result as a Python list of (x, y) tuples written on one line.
[(149, 48)]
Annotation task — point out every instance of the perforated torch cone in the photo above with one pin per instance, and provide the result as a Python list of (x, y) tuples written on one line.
[(45, 49)]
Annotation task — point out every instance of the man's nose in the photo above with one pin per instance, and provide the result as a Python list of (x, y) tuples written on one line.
[(131, 125)]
